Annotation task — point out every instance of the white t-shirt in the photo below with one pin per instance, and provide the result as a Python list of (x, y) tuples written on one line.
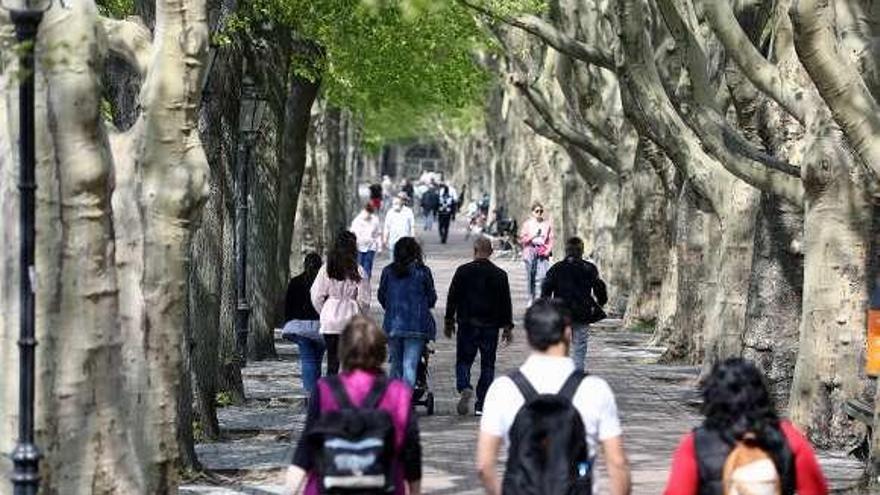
[(399, 224), (594, 399)]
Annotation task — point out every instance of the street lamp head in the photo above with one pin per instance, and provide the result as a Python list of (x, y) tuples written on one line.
[(253, 107)]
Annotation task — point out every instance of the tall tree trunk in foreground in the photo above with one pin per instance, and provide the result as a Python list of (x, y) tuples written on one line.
[(111, 290)]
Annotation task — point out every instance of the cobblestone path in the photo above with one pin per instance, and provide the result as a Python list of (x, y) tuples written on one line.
[(656, 402)]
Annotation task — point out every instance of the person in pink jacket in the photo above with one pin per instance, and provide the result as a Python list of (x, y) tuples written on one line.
[(536, 238), (341, 291)]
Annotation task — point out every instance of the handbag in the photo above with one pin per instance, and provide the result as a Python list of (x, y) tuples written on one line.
[(310, 329)]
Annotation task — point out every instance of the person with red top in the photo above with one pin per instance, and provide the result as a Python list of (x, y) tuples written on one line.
[(362, 351), (737, 408)]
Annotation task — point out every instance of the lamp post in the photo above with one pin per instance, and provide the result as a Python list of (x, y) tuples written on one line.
[(250, 116), (26, 455)]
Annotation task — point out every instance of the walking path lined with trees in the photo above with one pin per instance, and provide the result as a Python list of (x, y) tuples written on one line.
[(719, 159), (658, 404)]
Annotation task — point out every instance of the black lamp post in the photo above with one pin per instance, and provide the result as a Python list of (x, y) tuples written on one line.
[(250, 116), (26, 455)]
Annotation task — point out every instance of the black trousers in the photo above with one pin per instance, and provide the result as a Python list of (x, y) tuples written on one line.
[(443, 219), (471, 340), (332, 343)]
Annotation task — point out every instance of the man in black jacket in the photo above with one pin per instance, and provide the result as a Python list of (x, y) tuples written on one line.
[(576, 282), (479, 301)]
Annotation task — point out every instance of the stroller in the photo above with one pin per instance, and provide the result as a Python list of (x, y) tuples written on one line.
[(423, 394)]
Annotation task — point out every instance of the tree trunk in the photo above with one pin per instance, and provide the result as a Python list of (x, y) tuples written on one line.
[(649, 245), (837, 226), (775, 294), (692, 232), (725, 320)]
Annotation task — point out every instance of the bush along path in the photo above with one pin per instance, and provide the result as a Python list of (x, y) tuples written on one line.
[(658, 404)]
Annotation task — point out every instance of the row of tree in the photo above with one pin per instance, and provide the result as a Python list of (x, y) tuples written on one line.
[(726, 155)]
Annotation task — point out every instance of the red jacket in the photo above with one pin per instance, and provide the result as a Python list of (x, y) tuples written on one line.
[(684, 478)]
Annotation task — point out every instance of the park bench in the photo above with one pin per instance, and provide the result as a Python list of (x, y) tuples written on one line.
[(862, 412)]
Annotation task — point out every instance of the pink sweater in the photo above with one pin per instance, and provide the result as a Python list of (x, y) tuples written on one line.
[(534, 243), (337, 301)]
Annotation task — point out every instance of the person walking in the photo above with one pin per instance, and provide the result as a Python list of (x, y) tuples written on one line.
[(592, 423), (399, 223), (576, 282), (376, 196), (406, 292), (341, 291), (445, 211), (302, 323), (479, 302), (536, 239), (742, 443), (365, 227), (430, 203), (362, 350)]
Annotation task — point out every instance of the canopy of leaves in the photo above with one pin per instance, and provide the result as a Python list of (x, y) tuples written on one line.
[(400, 64), (115, 8)]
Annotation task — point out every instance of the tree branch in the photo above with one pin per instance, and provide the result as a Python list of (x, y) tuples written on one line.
[(649, 108), (578, 137), (695, 55), (587, 166), (542, 29), (723, 142), (764, 75), (854, 108), (131, 40)]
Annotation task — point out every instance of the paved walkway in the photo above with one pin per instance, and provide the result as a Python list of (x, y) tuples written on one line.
[(656, 402)]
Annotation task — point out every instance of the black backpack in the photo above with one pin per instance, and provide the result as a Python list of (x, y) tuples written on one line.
[(354, 446), (548, 448)]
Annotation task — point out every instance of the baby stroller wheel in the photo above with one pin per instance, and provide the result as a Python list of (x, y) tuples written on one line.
[(429, 403)]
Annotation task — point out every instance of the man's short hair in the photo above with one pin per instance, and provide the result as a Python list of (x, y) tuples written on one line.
[(545, 323), (483, 246), (574, 246)]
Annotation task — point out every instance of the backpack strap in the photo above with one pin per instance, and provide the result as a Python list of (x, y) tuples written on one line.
[(522, 383), (570, 387), (339, 392), (380, 385)]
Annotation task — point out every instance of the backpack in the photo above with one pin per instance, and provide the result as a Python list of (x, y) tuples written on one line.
[(354, 446), (548, 451), (446, 204), (744, 468)]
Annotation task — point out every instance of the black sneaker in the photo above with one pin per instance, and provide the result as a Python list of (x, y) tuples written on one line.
[(464, 401), (478, 412)]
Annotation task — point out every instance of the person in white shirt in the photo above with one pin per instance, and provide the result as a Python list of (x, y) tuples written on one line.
[(548, 330), (365, 227), (399, 223)]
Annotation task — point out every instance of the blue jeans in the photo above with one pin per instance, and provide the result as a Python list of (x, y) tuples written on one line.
[(366, 261), (429, 220), (469, 340), (579, 334), (311, 353), (405, 354), (536, 272)]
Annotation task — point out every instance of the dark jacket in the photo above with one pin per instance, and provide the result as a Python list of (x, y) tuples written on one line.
[(479, 296), (408, 302), (298, 302), (576, 282), (430, 201)]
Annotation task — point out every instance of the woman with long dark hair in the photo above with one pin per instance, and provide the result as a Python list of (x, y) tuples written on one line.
[(406, 291), (341, 291), (741, 421)]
